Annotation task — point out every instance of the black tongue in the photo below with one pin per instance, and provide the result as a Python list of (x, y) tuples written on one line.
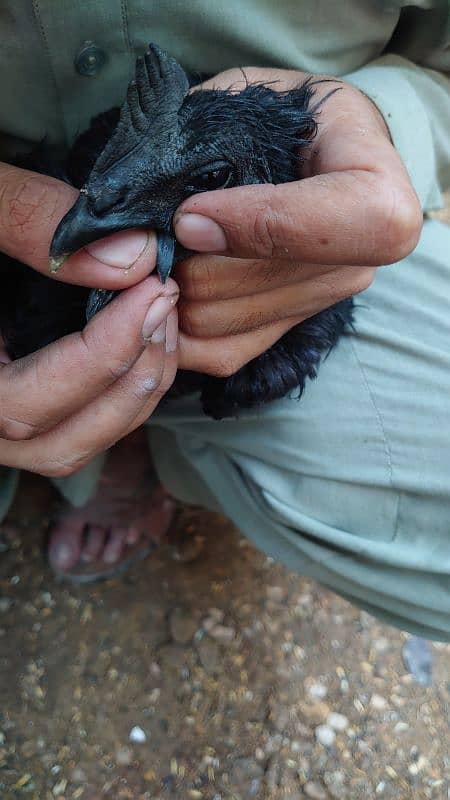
[(165, 255)]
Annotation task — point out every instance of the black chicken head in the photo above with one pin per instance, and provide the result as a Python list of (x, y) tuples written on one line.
[(170, 144)]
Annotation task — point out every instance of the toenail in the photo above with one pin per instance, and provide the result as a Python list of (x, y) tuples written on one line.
[(63, 553)]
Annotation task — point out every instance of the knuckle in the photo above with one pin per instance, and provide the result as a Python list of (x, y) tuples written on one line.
[(58, 467), (225, 367), (146, 386), (25, 204), (189, 318), (400, 222), (263, 233), (114, 364), (196, 278)]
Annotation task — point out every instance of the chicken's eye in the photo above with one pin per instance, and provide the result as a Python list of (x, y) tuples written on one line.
[(215, 177)]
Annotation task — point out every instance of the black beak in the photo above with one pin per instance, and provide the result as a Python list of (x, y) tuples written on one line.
[(80, 227)]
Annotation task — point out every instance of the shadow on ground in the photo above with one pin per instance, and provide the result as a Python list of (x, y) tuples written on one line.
[(208, 672)]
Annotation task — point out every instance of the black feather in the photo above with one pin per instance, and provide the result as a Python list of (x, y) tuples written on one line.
[(135, 166)]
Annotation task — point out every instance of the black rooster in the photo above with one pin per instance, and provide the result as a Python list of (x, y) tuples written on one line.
[(134, 166)]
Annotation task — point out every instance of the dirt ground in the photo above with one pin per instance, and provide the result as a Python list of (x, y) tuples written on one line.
[(206, 672)]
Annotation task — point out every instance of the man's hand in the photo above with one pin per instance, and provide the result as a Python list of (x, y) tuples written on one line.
[(64, 404), (280, 254)]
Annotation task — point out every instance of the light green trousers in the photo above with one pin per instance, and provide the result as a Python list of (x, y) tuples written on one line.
[(351, 484)]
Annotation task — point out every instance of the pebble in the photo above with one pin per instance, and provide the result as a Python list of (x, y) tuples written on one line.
[(187, 548), (325, 735), (216, 614), (124, 755), (335, 782), (318, 691), (378, 702), (59, 788), (5, 604), (209, 655), (137, 735), (78, 775), (182, 626), (275, 593), (315, 791), (418, 659), (223, 634), (244, 771), (337, 721)]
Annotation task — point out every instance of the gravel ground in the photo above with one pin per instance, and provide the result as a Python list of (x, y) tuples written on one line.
[(208, 672)]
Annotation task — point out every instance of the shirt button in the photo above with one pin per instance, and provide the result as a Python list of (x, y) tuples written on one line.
[(90, 59)]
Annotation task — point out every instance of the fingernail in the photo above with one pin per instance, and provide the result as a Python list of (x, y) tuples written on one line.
[(120, 249), (159, 334), (197, 232), (157, 313), (172, 332)]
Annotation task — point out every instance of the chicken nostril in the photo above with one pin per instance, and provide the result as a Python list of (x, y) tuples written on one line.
[(107, 202)]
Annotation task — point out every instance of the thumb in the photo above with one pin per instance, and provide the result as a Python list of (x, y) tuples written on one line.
[(347, 217), (32, 205)]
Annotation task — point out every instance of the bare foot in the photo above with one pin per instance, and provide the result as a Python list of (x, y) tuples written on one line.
[(122, 523)]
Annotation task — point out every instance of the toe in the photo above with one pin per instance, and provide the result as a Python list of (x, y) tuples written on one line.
[(115, 545), (93, 544), (133, 535), (64, 548)]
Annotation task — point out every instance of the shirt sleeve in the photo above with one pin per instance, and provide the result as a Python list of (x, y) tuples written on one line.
[(415, 103)]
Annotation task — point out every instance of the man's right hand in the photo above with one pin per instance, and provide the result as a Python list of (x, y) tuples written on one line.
[(62, 405)]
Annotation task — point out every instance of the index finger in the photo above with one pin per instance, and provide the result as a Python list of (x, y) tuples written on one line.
[(32, 205)]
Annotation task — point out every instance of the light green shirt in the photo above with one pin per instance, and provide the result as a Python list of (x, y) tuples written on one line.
[(396, 52)]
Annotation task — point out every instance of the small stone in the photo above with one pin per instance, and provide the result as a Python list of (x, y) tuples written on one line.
[(223, 634), (315, 791), (186, 547), (78, 775), (335, 783), (337, 721), (318, 691), (378, 702), (5, 604), (60, 787), (245, 770), (124, 755), (418, 659), (216, 614), (182, 626), (381, 645), (380, 787), (209, 655), (275, 593), (325, 735), (400, 727), (137, 735)]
